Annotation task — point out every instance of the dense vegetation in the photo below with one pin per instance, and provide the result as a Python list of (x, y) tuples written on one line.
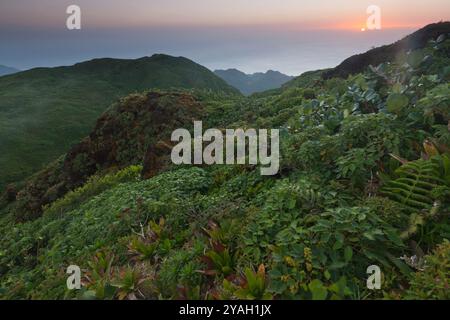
[(364, 180), (136, 129), (44, 111)]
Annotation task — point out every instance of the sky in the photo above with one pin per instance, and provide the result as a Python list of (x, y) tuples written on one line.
[(291, 36)]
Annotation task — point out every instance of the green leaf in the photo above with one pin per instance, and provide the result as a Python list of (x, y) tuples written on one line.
[(337, 265), (396, 102), (318, 290), (403, 267), (415, 58), (348, 253), (89, 295), (337, 245), (368, 235)]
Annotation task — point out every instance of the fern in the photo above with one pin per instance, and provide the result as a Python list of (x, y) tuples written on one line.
[(414, 185)]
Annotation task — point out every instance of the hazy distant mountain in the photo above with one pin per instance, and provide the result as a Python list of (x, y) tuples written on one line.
[(251, 83), (4, 70), (45, 110)]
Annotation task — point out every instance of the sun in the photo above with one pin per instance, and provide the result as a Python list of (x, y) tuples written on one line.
[(363, 29)]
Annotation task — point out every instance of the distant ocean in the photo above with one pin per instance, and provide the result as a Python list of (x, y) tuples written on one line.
[(248, 49)]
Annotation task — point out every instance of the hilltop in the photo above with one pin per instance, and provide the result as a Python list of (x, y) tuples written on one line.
[(136, 130), (44, 111), (395, 52), (388, 53)]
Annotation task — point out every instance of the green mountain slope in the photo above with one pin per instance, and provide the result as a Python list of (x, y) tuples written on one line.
[(45, 110), (359, 62), (4, 70), (135, 130), (364, 180), (389, 53), (251, 83)]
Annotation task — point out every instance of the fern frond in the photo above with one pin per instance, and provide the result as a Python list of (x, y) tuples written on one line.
[(414, 185)]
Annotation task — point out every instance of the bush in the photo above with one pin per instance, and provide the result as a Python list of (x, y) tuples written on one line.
[(309, 93), (94, 186), (433, 281)]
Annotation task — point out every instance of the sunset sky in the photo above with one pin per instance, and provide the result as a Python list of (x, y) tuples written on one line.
[(33, 33), (301, 13)]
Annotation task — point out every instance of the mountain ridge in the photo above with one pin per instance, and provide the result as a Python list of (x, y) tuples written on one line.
[(44, 111), (255, 82), (388, 53)]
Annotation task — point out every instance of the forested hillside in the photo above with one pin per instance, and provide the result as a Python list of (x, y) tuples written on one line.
[(364, 180), (44, 111)]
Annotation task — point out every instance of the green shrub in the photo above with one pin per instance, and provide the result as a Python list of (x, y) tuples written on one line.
[(433, 281), (94, 186)]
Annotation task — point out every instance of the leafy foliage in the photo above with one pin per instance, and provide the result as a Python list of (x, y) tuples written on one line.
[(415, 185), (432, 282)]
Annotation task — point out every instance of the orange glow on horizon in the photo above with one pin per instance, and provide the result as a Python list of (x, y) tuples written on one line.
[(391, 25), (287, 14)]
